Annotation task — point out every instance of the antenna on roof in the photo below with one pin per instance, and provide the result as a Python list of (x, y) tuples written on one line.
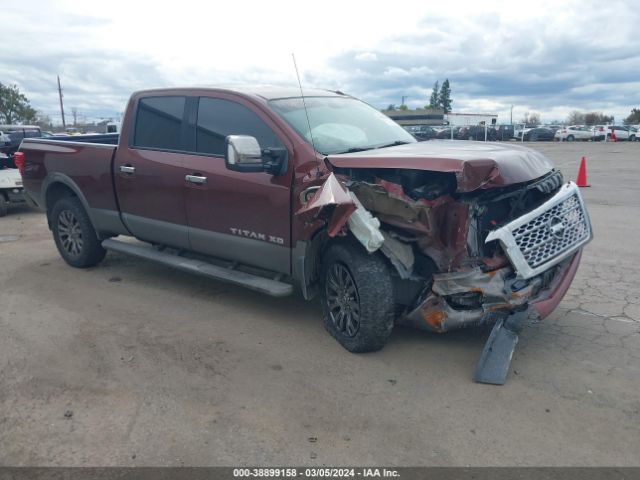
[(306, 112)]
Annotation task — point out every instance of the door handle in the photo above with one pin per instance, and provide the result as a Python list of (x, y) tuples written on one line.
[(197, 179), (127, 169)]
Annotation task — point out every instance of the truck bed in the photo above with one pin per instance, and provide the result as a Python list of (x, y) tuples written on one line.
[(84, 164)]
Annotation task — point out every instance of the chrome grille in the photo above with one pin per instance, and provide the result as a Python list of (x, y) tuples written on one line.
[(537, 240), (547, 235)]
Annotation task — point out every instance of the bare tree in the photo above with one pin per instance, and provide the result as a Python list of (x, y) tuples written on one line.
[(531, 118), (576, 118), (596, 118), (43, 121), (74, 114)]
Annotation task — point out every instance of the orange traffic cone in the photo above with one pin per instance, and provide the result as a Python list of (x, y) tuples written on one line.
[(581, 181)]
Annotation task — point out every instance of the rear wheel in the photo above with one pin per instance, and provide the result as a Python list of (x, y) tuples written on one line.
[(74, 234), (357, 297), (570, 138)]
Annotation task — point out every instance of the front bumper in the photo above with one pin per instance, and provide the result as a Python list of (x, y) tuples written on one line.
[(500, 291), (544, 248)]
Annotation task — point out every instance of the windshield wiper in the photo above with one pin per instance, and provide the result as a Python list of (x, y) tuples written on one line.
[(395, 144), (358, 149), (363, 149)]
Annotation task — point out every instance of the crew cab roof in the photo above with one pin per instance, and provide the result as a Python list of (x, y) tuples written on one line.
[(265, 92)]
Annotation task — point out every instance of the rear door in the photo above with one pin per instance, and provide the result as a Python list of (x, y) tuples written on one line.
[(149, 172), (233, 215)]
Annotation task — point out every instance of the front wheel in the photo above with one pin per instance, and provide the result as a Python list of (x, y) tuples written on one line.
[(570, 138), (74, 234), (357, 297)]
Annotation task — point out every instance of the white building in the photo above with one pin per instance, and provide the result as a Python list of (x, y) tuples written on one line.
[(464, 119)]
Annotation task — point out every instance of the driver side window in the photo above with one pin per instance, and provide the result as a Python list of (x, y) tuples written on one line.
[(218, 118)]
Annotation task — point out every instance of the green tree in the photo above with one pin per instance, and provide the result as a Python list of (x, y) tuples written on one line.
[(634, 117), (14, 106), (434, 101), (403, 107), (391, 107), (444, 99)]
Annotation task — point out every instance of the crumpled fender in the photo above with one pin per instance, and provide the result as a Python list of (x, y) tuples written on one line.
[(330, 202)]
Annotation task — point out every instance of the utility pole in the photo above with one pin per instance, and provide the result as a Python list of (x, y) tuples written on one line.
[(403, 97), (64, 124)]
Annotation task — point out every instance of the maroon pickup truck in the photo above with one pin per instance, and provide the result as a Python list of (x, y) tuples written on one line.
[(264, 188)]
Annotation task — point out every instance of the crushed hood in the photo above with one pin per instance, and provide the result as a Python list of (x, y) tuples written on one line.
[(475, 164)]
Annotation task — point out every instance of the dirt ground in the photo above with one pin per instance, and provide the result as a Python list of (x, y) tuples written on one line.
[(155, 367)]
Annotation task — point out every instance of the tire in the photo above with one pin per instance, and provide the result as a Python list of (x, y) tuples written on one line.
[(570, 138), (534, 137), (632, 138), (74, 234), (357, 297)]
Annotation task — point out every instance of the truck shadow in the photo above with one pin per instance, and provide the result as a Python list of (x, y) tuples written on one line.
[(288, 311)]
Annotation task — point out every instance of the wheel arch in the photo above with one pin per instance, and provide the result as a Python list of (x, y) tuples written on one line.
[(57, 186)]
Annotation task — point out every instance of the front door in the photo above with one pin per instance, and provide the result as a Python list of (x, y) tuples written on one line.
[(244, 217), (149, 173)]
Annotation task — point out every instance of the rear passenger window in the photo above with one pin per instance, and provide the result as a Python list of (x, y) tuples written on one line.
[(218, 118), (159, 123)]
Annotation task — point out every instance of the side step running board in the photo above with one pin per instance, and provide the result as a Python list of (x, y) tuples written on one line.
[(271, 287)]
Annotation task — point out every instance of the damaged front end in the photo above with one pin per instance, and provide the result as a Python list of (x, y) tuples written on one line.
[(462, 258)]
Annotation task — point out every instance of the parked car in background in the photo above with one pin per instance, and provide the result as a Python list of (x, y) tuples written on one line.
[(622, 133), (5, 140), (445, 133), (113, 127), (572, 133), (421, 132), (636, 134), (16, 134), (521, 128), (598, 133), (11, 190), (504, 132), (476, 132), (538, 134)]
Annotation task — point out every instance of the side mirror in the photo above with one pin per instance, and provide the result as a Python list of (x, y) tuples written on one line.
[(243, 154)]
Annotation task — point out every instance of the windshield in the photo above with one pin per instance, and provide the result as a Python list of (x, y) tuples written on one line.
[(340, 124)]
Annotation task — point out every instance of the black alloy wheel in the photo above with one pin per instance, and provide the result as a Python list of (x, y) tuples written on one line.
[(70, 233), (343, 301)]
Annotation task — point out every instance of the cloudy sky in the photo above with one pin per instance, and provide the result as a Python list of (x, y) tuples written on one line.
[(548, 57)]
